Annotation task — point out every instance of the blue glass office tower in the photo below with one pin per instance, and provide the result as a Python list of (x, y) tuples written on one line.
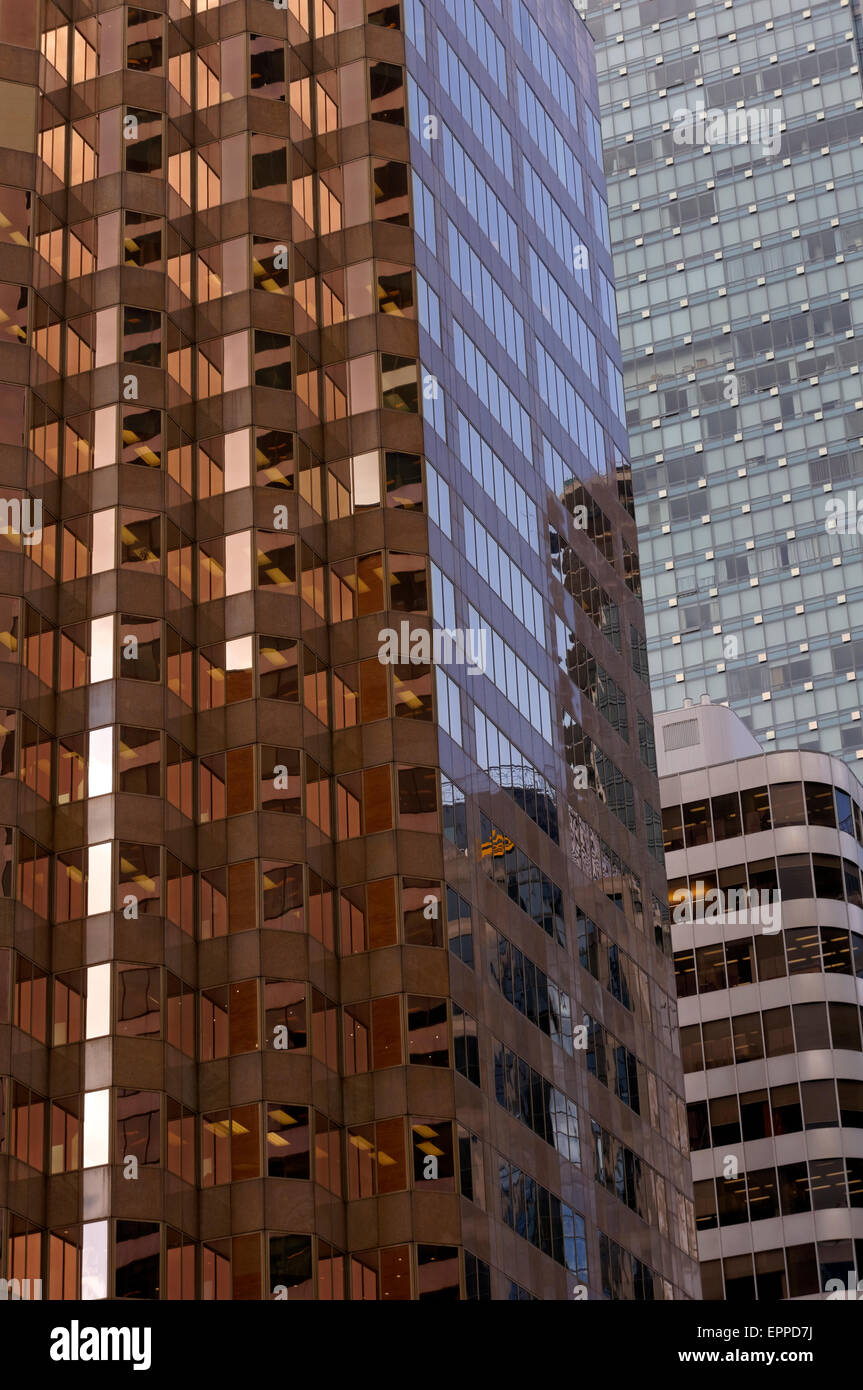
[(547, 759)]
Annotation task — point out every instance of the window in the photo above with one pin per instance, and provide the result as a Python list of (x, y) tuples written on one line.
[(433, 1155), (810, 1026), (465, 1045), (705, 1205), (770, 955), (269, 166), (829, 878), (726, 816), (142, 336), (836, 950), (827, 1183), (691, 1049), (718, 1048), (417, 794), (710, 966), (748, 1043), (795, 876), (282, 889), (845, 811), (428, 1038), (138, 1001), (731, 1201), (136, 1259), (699, 1127), (422, 918), (281, 780), (266, 67), (819, 804), (777, 1032), (386, 93), (763, 1195), (276, 562), (803, 950), (844, 1026), (819, 1104), (392, 197), (138, 1127), (143, 41), (724, 1120), (850, 1103), (786, 1110), (672, 828), (684, 970), (399, 383), (756, 810), (287, 1140), (786, 799), (755, 1115), (142, 437), (740, 963), (272, 360), (144, 144)]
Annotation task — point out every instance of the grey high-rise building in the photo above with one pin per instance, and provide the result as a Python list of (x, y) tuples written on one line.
[(734, 160), (332, 964)]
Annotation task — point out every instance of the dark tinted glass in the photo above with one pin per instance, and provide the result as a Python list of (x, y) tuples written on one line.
[(672, 828), (756, 810), (819, 804), (726, 816), (696, 823), (786, 799)]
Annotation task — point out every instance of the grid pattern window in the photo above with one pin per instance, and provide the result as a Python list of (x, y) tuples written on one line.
[(554, 223), (556, 306), (513, 678), (492, 390), (567, 405), (485, 295), (503, 575), (545, 60), (424, 220), (548, 138), (497, 481), (476, 194), (481, 37), (475, 108)]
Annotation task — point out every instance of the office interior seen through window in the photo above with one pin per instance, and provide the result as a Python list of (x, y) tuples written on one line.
[(401, 400)]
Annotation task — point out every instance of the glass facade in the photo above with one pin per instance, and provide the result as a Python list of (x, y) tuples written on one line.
[(334, 956), (732, 151)]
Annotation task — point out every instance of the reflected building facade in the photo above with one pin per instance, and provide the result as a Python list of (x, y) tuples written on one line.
[(765, 856), (323, 974)]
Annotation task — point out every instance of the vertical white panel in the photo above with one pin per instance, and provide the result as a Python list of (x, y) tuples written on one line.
[(99, 878), (104, 549), (94, 1260), (238, 562), (101, 649), (98, 1001), (100, 762), (96, 1146), (237, 459)]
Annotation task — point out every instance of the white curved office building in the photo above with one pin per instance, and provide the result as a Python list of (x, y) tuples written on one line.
[(764, 853)]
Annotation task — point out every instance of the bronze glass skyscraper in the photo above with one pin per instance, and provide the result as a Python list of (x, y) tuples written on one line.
[(332, 960)]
